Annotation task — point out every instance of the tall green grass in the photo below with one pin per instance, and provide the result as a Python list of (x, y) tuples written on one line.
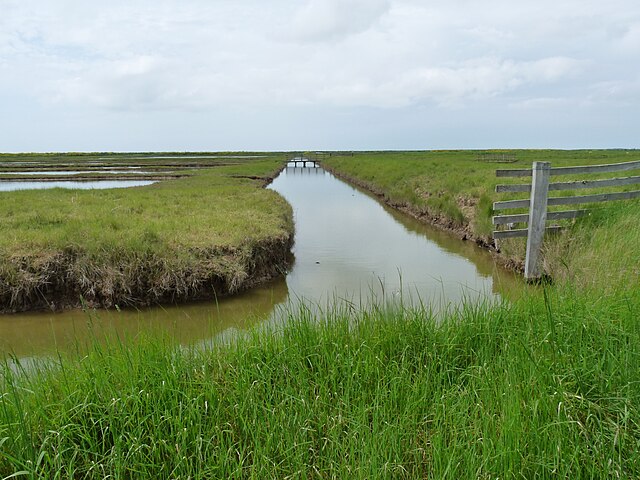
[(599, 253), (542, 389), (456, 184)]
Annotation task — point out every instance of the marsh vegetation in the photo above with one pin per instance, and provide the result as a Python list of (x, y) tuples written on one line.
[(541, 387), (215, 230)]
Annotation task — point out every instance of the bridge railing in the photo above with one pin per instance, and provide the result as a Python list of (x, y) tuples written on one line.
[(539, 201)]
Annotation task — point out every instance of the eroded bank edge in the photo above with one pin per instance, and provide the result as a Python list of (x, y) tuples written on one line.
[(63, 282)]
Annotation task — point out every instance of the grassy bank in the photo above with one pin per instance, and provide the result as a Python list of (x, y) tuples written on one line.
[(456, 189), (213, 233), (546, 387)]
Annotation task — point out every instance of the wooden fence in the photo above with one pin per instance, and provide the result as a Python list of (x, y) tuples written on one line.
[(539, 201), (496, 157)]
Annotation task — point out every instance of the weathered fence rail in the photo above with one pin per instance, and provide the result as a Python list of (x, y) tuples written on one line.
[(496, 157), (609, 168), (539, 202)]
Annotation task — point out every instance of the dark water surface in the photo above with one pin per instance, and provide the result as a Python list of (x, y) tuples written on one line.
[(347, 245)]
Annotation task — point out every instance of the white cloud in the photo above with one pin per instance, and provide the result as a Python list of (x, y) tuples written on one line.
[(169, 55), (545, 103), (629, 42), (445, 86), (620, 92), (132, 83), (322, 20)]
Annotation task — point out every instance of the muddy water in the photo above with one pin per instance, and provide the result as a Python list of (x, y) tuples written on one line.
[(35, 334), (347, 245)]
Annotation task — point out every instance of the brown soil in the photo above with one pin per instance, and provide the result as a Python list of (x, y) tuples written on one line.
[(67, 280)]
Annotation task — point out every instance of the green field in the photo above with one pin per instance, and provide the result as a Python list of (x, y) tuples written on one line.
[(214, 232), (457, 188), (545, 387)]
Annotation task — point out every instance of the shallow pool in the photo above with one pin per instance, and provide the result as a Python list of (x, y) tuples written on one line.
[(88, 185)]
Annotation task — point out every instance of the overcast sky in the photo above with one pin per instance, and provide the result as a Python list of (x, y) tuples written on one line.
[(154, 75)]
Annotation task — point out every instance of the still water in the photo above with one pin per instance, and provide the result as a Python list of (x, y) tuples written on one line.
[(77, 185), (72, 172), (347, 246)]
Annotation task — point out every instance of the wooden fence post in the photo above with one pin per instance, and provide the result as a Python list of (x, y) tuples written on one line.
[(537, 218)]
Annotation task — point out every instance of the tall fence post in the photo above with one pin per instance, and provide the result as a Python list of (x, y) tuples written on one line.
[(537, 218)]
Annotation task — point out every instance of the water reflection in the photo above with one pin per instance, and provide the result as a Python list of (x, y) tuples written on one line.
[(32, 334), (73, 172), (347, 245), (88, 185), (293, 169)]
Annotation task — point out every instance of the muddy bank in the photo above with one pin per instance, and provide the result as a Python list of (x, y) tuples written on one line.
[(151, 273), (72, 279), (463, 231)]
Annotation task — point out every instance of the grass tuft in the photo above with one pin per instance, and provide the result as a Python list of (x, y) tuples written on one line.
[(537, 389)]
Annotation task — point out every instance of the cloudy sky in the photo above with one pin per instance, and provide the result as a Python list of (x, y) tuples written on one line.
[(158, 75)]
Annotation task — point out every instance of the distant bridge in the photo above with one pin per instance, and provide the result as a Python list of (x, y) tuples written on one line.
[(303, 162)]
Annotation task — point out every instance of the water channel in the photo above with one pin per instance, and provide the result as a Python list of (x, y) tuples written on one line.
[(347, 246)]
